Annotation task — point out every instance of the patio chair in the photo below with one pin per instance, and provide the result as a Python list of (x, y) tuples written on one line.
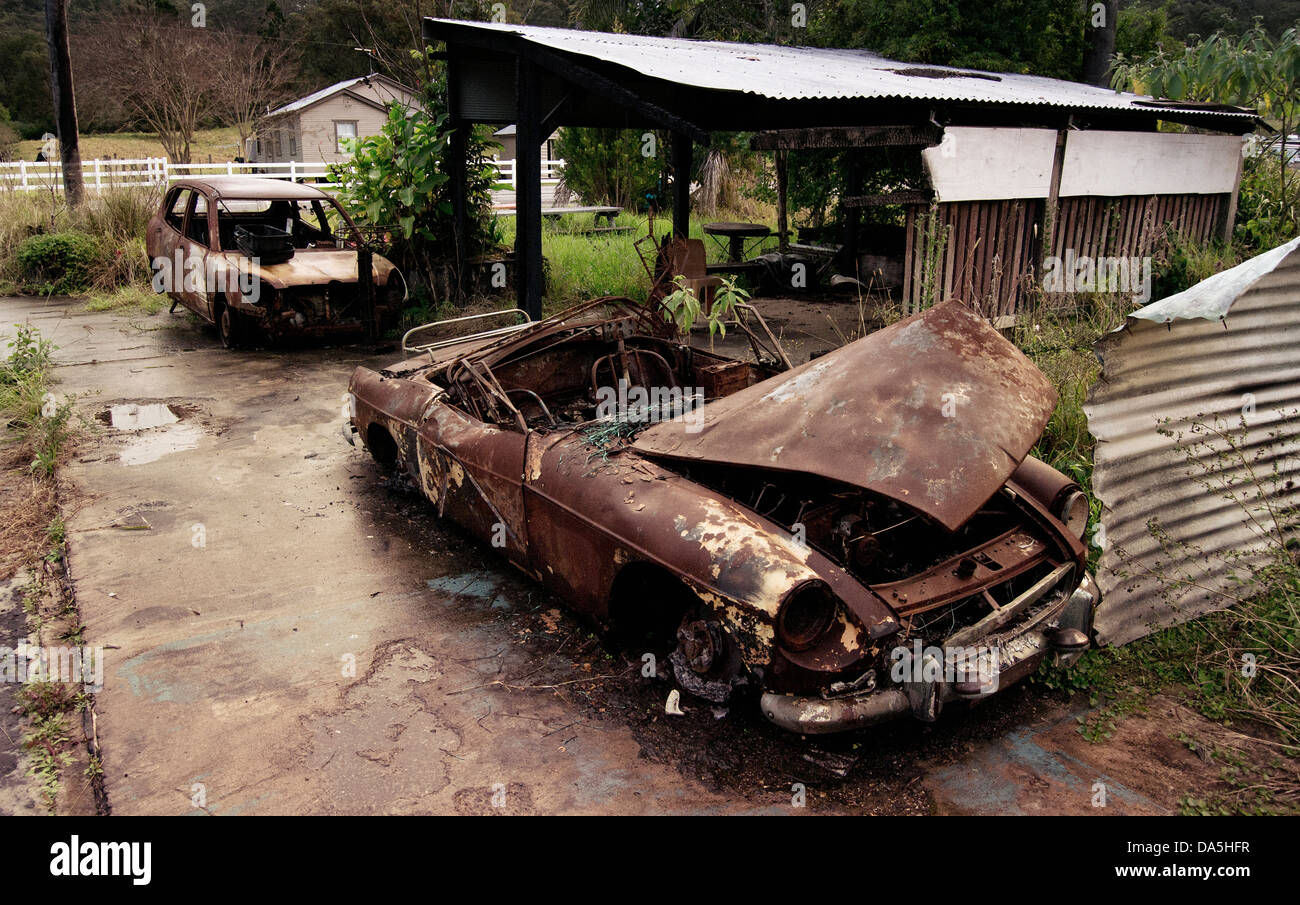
[(685, 258)]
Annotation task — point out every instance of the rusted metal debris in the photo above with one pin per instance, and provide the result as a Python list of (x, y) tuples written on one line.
[(819, 520)]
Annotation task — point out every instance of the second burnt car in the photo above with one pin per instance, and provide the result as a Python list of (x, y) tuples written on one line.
[(853, 539), (268, 258)]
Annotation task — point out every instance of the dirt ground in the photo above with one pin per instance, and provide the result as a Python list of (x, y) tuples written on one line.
[(287, 632)]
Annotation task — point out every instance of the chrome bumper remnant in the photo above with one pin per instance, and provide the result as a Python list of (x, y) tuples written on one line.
[(1056, 631)]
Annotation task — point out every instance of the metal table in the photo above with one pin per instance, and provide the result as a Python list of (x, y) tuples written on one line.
[(736, 234)]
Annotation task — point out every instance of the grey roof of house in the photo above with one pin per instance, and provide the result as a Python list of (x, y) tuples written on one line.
[(316, 96)]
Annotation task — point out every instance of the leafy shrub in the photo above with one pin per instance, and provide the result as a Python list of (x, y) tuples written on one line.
[(608, 166), (397, 180), (28, 410), (1181, 263), (57, 263), (1266, 217)]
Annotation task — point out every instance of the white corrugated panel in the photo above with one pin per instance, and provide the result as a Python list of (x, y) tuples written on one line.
[(1182, 516), (774, 71)]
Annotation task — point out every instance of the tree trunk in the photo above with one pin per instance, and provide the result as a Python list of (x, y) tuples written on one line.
[(1101, 17), (65, 106)]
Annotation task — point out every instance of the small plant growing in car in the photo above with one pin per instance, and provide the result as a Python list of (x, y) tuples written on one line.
[(682, 306)]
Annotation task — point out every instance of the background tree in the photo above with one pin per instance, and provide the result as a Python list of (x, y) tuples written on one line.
[(1253, 70), (396, 182), (173, 79), (387, 30), (248, 78), (63, 98), (160, 70), (1100, 24), (1043, 37), (609, 166)]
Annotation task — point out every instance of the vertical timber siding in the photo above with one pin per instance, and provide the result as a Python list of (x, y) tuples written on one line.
[(984, 252)]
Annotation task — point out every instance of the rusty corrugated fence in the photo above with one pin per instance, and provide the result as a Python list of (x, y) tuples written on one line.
[(1187, 506)]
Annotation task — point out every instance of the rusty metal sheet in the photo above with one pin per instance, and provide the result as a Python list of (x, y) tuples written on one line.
[(935, 411), (1180, 511)]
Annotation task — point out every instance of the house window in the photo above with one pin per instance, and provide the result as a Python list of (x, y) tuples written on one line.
[(293, 146), (344, 131)]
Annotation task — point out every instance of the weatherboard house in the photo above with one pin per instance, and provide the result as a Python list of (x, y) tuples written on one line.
[(316, 128)]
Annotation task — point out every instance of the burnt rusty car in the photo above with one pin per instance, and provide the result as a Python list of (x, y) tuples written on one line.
[(264, 256), (835, 538)]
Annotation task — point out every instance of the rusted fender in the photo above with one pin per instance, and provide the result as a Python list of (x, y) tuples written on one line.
[(591, 516), (395, 404)]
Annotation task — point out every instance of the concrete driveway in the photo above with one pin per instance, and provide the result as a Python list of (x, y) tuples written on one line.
[(286, 633)]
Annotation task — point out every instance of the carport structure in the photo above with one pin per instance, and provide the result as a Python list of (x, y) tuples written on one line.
[(802, 97)]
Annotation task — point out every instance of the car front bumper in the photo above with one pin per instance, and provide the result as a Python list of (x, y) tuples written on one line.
[(1018, 655)]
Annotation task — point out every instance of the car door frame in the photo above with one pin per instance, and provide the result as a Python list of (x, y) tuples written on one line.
[(168, 242), (202, 302)]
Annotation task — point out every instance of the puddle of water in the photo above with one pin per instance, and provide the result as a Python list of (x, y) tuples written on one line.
[(153, 431), (152, 446), (132, 417)]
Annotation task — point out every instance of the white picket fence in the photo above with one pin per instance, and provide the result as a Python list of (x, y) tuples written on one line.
[(27, 176), (552, 170)]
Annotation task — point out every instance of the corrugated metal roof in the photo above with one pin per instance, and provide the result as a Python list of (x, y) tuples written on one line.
[(802, 73), (1182, 510)]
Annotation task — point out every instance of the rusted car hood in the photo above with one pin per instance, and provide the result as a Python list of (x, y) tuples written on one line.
[(316, 267), (935, 411)]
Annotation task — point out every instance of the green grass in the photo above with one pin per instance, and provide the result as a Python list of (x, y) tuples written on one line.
[(34, 417), (215, 145), (581, 267), (128, 300), (1061, 343)]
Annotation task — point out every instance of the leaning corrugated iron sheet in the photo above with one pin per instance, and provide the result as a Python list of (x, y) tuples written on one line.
[(774, 71), (1182, 513)]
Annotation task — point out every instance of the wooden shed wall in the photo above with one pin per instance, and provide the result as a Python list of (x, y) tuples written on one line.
[(987, 253)]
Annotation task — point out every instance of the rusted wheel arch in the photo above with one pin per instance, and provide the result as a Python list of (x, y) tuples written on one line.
[(381, 444)]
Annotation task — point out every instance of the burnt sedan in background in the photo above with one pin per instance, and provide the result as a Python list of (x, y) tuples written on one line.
[(258, 256), (791, 536)]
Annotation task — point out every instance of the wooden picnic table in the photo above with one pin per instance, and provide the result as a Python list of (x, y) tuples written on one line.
[(597, 212), (736, 234)]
